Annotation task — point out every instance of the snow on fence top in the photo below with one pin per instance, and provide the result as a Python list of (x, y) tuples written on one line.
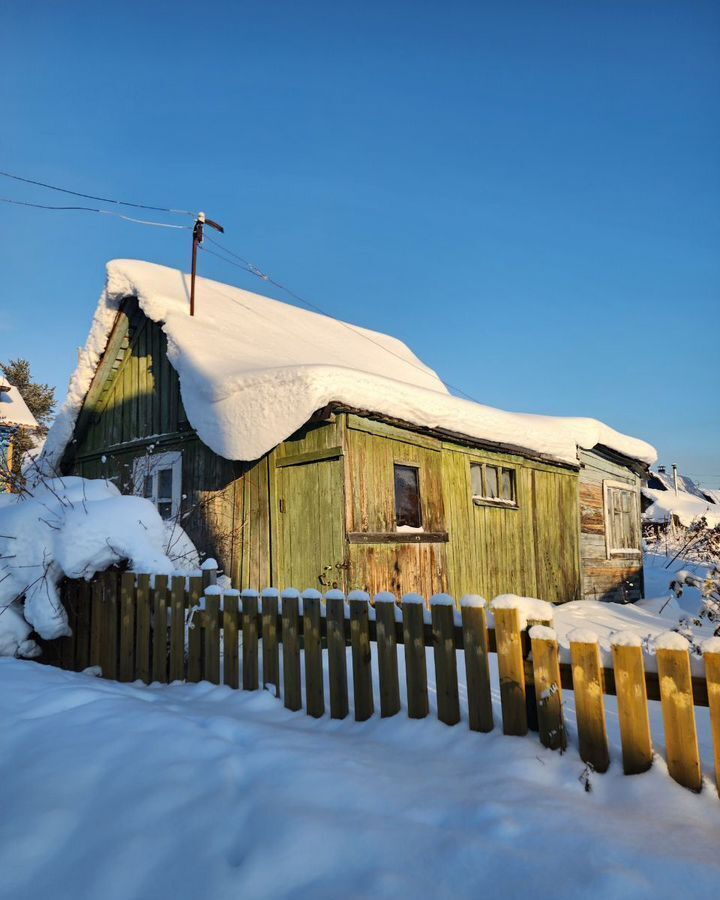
[(13, 409), (253, 370)]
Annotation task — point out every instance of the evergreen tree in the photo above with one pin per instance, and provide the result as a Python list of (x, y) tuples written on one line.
[(40, 400)]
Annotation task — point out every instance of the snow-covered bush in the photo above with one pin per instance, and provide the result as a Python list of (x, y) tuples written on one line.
[(709, 587), (67, 527)]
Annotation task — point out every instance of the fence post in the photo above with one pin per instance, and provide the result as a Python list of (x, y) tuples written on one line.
[(511, 669), (96, 621), (195, 631), (711, 656), (442, 611), (82, 642), (588, 686), (211, 620), (361, 655), (231, 667), (270, 649), (337, 656), (477, 663), (632, 702), (177, 628), (385, 609), (250, 640), (142, 628), (548, 691), (160, 648), (681, 744), (209, 571), (127, 627), (413, 608), (314, 694), (291, 649)]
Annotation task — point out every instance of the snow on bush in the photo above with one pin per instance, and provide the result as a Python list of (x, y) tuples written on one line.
[(67, 527)]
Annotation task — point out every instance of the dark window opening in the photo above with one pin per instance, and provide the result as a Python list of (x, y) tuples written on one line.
[(407, 497)]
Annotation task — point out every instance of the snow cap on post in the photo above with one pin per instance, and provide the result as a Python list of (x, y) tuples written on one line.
[(442, 600), (671, 640), (270, 592), (311, 594), (582, 636), (473, 601), (291, 593), (711, 645), (527, 608), (625, 639), (231, 592), (385, 597), (359, 595), (249, 592), (409, 599), (335, 594), (542, 633), (209, 563), (212, 590)]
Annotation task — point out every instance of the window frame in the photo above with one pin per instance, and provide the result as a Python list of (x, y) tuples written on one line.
[(614, 552), (150, 465), (410, 529), (496, 502)]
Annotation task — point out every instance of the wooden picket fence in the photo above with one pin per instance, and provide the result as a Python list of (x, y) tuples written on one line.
[(159, 630)]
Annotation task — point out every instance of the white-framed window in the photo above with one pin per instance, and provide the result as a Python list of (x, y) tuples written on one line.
[(493, 484), (158, 477), (622, 519)]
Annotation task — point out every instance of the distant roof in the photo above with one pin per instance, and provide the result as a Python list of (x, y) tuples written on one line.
[(13, 409), (253, 370)]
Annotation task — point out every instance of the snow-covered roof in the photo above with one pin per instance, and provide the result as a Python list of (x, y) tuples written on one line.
[(253, 370), (690, 502), (13, 409)]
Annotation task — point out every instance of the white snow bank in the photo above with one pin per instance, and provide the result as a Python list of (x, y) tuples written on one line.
[(71, 527), (529, 608), (685, 507), (253, 370)]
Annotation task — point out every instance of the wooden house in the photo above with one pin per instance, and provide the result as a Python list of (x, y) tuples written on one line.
[(302, 451), (14, 417)]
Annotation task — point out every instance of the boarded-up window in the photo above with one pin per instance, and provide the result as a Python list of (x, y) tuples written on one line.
[(621, 519), (494, 484), (407, 497)]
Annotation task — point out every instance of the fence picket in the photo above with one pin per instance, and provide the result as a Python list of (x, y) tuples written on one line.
[(142, 629), (291, 650), (231, 659), (82, 642), (588, 686), (632, 708), (385, 608), (211, 629), (361, 655), (548, 692), (442, 609), (250, 640), (413, 607), (314, 694), (270, 648), (160, 633), (337, 657), (681, 743), (712, 679), (177, 628), (96, 622), (194, 629), (512, 672), (66, 645), (126, 667), (477, 663)]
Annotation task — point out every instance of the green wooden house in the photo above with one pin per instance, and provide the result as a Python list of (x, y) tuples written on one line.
[(301, 451)]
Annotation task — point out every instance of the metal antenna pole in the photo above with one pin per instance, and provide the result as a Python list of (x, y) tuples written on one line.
[(198, 228)]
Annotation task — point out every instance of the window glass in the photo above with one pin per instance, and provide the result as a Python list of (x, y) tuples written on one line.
[(407, 497), (507, 487), (491, 483), (622, 524), (165, 484), (476, 480)]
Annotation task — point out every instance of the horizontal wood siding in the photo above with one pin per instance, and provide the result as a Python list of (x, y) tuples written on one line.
[(614, 578)]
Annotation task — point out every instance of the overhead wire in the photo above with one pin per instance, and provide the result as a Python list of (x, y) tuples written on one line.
[(102, 212)]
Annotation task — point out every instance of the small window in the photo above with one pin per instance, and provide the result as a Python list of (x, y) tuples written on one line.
[(407, 497), (493, 484), (158, 478), (622, 528)]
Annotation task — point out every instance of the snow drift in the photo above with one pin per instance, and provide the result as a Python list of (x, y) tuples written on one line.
[(253, 370), (68, 527)]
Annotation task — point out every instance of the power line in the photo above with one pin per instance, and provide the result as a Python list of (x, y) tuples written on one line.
[(247, 266), (102, 212), (52, 187)]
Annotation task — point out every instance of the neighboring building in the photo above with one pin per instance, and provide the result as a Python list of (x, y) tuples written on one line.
[(665, 507), (302, 451), (14, 416)]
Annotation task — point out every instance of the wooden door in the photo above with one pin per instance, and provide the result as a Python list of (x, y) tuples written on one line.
[(310, 525)]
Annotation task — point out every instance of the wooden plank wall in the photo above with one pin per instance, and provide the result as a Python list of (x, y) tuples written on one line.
[(616, 578)]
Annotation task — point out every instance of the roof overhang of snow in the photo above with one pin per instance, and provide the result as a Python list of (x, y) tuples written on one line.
[(253, 370), (13, 409)]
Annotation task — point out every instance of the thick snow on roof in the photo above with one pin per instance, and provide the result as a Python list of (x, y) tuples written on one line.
[(13, 409), (253, 370), (685, 506)]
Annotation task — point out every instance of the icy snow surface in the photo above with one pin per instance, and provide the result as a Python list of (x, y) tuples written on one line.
[(253, 370), (186, 792)]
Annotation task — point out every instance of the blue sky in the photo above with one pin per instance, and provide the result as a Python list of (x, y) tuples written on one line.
[(527, 193)]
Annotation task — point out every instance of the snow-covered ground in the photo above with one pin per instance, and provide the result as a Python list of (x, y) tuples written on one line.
[(191, 791)]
